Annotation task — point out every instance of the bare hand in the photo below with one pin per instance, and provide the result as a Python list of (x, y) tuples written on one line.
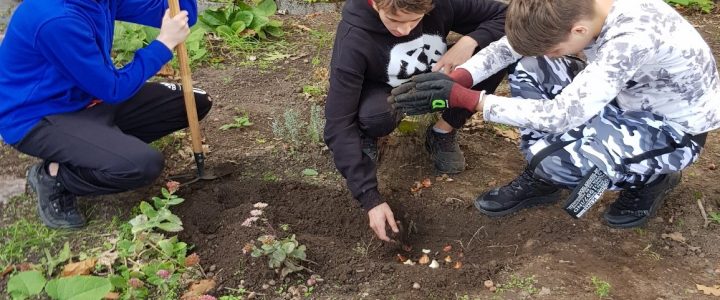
[(174, 30), (380, 216), (457, 55)]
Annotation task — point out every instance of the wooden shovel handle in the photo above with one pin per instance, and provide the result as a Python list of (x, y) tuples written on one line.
[(187, 87)]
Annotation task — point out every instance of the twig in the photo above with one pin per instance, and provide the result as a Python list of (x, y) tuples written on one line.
[(473, 237), (505, 246), (702, 211)]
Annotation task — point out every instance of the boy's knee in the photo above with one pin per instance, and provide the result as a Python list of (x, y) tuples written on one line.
[(202, 102), (378, 125), (139, 169)]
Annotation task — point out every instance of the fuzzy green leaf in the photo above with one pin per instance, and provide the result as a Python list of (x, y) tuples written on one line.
[(170, 227), (78, 288), (266, 8), (310, 172), (25, 284)]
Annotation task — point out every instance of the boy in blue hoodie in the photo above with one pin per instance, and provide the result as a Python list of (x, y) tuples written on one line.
[(63, 100)]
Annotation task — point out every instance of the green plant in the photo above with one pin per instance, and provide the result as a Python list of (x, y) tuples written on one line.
[(602, 287), (312, 90), (25, 238), (129, 37), (26, 284), (283, 255), (31, 283), (526, 284), (239, 122), (714, 216), (296, 131), (242, 20), (705, 6)]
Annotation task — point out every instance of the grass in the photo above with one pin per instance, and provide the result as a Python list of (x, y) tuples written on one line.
[(24, 240), (602, 287)]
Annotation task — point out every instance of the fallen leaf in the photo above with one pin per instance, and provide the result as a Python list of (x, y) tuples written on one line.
[(198, 289), (24, 267), (675, 236), (112, 296), (709, 290), (7, 270), (79, 268), (108, 258), (426, 183)]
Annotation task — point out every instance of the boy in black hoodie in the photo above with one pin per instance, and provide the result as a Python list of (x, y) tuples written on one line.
[(379, 45)]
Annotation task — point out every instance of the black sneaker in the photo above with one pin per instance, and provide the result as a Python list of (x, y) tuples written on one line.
[(56, 206), (444, 151), (634, 207), (524, 191), (370, 147)]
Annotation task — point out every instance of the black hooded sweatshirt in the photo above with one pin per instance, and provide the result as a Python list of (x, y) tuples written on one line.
[(366, 54)]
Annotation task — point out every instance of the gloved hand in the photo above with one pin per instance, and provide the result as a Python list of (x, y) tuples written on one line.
[(430, 92)]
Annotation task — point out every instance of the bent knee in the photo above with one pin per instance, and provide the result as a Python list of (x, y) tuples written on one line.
[(378, 125)]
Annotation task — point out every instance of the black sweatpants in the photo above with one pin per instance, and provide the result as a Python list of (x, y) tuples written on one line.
[(104, 149), (377, 119)]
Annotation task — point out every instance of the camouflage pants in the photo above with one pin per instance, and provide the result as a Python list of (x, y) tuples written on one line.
[(631, 147)]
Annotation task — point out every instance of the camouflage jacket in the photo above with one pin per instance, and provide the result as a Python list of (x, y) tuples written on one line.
[(647, 56)]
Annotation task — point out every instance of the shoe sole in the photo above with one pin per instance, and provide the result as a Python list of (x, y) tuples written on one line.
[(41, 213), (528, 203), (653, 211)]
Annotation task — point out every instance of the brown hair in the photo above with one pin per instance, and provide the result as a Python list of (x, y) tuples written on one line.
[(533, 27), (410, 6)]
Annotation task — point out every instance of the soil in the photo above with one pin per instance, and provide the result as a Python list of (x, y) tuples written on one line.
[(562, 254)]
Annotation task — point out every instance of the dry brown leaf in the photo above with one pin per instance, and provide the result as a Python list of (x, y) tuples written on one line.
[(675, 236), (709, 290), (112, 296), (166, 71), (79, 268), (7, 270), (199, 288), (108, 258)]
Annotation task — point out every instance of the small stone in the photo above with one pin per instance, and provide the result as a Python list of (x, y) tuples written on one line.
[(271, 282), (265, 286), (712, 167), (416, 285), (489, 283), (212, 268), (544, 291), (251, 295), (493, 289)]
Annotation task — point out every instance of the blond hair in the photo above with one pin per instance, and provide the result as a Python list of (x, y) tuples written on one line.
[(408, 6), (533, 27)]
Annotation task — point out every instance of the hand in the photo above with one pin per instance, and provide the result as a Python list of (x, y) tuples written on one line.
[(457, 55), (174, 30), (379, 216), (420, 96)]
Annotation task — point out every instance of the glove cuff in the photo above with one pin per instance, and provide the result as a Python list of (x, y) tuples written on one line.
[(466, 98), (462, 77)]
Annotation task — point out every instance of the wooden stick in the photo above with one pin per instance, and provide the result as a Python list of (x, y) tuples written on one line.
[(189, 96)]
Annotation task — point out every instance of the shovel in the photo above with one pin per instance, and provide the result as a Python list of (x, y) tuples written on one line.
[(191, 110)]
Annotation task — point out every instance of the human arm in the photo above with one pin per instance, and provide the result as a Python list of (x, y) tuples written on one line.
[(150, 12)]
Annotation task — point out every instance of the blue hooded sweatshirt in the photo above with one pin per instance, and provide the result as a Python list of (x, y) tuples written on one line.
[(55, 58)]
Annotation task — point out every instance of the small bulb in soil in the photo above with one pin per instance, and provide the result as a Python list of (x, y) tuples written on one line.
[(416, 285), (424, 260), (489, 283), (457, 265), (448, 259), (426, 183), (447, 248), (409, 262), (400, 258), (426, 251), (434, 264), (493, 289)]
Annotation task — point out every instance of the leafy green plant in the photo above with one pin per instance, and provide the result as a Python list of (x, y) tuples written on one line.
[(31, 283), (239, 122), (283, 255), (714, 217), (26, 284), (129, 37), (602, 287), (705, 6), (242, 20), (526, 284), (25, 238)]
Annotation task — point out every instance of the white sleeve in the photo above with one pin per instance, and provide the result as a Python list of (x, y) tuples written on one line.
[(490, 60), (593, 88)]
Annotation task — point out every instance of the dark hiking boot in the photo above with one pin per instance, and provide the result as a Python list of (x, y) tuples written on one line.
[(370, 147), (56, 206), (525, 191), (444, 151), (634, 207)]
